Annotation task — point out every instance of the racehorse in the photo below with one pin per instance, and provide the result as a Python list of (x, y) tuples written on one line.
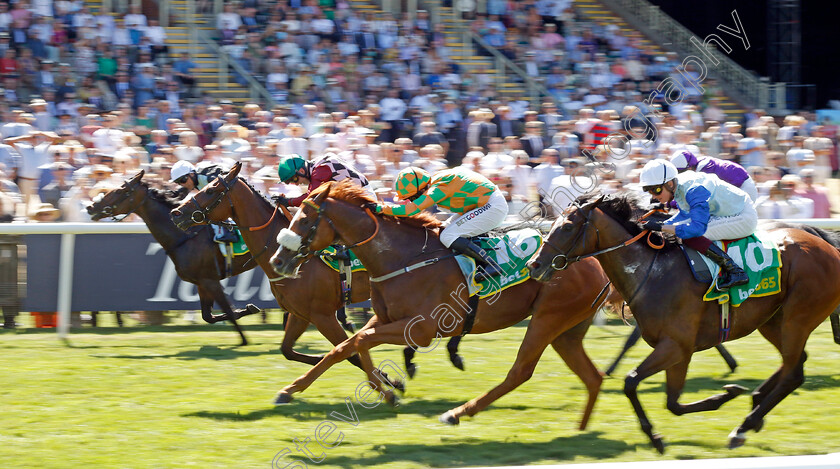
[(415, 308), (196, 256), (313, 297), (668, 305)]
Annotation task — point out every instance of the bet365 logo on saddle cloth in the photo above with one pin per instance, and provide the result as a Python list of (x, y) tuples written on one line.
[(512, 252), (762, 261)]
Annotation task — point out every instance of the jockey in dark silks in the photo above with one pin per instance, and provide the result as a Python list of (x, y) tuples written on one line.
[(185, 174)]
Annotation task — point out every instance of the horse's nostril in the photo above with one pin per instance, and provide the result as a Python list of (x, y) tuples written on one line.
[(278, 262), (176, 213), (535, 265)]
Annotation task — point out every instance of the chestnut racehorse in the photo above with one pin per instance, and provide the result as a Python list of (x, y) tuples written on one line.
[(668, 306), (313, 297), (428, 302), (196, 256)]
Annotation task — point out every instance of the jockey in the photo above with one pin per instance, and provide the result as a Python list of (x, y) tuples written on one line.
[(329, 167), (730, 172), (478, 204), (186, 175), (710, 209)]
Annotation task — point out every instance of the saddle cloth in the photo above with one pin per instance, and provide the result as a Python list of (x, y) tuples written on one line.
[(239, 247), (511, 251), (756, 254)]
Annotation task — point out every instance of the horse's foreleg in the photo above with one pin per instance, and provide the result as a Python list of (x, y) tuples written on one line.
[(628, 344), (570, 348), (666, 354), (727, 357), (211, 290), (371, 335), (675, 382), (452, 348), (537, 338), (295, 327)]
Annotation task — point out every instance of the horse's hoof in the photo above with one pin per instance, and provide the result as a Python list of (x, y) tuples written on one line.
[(658, 443), (449, 418), (392, 399), (457, 362), (759, 426), (736, 439), (349, 327), (282, 398), (411, 369), (735, 389)]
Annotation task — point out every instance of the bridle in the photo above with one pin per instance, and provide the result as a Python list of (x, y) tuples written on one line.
[(108, 210), (304, 250), (561, 256), (202, 214)]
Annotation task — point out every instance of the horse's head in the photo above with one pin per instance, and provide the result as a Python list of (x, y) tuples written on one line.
[(206, 206), (120, 201), (566, 240), (309, 231)]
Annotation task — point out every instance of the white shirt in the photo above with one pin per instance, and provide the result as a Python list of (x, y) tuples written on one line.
[(230, 21), (133, 21), (108, 140), (392, 109), (156, 35)]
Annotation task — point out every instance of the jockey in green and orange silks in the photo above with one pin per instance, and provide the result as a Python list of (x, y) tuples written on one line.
[(477, 204)]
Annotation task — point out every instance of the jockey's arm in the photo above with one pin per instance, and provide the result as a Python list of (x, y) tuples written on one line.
[(697, 216), (432, 197), (320, 175)]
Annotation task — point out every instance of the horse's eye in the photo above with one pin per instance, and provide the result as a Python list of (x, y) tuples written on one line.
[(567, 227)]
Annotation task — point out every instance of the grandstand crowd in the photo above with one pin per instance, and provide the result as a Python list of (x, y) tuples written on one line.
[(90, 99)]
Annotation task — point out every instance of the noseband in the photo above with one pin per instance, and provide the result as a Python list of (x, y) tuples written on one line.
[(202, 214)]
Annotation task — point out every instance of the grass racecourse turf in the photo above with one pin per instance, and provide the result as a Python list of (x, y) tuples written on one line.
[(179, 396)]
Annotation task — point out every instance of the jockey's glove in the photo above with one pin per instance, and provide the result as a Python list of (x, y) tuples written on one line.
[(373, 207), (280, 200), (652, 225)]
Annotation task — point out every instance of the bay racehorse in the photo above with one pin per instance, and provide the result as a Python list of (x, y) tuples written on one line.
[(429, 302), (673, 317), (196, 256), (313, 297)]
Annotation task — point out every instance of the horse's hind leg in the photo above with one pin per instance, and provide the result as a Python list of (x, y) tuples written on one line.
[(452, 348), (675, 382), (570, 348), (210, 291)]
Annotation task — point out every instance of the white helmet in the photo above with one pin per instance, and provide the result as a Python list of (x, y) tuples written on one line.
[(179, 169), (657, 172)]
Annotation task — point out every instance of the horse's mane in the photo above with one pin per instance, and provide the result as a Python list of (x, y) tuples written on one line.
[(255, 191), (169, 197), (356, 195), (626, 207)]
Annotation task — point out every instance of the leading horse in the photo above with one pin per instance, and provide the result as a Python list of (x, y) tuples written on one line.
[(419, 294), (196, 256), (673, 317)]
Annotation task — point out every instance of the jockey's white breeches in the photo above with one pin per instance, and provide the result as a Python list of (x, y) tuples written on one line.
[(734, 227), (477, 221)]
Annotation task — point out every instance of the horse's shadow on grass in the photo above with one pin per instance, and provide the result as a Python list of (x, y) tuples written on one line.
[(303, 410), (453, 452), (714, 384), (205, 352)]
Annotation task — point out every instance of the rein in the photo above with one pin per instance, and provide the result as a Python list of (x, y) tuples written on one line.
[(571, 260), (320, 210), (108, 210)]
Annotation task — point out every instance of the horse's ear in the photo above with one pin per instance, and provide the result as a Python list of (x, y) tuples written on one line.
[(137, 177), (320, 198), (595, 203), (234, 171)]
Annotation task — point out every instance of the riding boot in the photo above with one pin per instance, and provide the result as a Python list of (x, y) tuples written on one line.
[(468, 248), (732, 274)]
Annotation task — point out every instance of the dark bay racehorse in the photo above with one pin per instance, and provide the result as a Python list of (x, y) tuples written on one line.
[(430, 301), (196, 256), (676, 322), (313, 297)]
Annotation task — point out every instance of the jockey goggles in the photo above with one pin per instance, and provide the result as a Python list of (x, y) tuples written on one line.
[(182, 179), (654, 190)]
